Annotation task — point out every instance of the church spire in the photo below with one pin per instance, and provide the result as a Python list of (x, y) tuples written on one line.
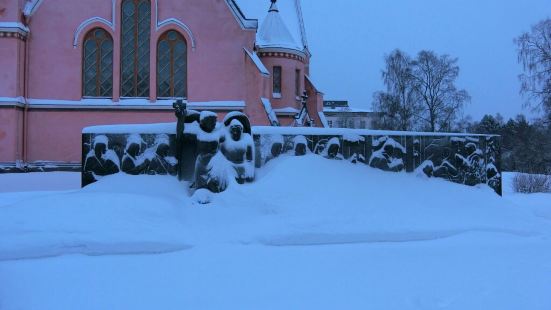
[(274, 34), (273, 6)]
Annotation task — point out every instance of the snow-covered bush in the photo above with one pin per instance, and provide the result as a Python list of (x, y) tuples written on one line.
[(532, 183)]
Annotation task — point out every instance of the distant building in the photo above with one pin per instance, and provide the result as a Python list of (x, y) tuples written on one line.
[(339, 114)]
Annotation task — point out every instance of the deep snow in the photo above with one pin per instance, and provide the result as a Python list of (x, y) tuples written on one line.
[(309, 233)]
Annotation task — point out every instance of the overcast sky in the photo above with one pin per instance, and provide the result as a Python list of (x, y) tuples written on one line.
[(349, 38)]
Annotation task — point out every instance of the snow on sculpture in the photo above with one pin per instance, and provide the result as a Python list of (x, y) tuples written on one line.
[(210, 155), (208, 144), (220, 151), (332, 149), (300, 146), (238, 148), (160, 162), (388, 155), (353, 148), (134, 162), (100, 161)]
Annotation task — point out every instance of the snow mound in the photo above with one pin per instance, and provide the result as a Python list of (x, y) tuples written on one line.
[(295, 201)]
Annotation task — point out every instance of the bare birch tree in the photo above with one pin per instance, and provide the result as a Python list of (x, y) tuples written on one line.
[(435, 78), (399, 103), (534, 53)]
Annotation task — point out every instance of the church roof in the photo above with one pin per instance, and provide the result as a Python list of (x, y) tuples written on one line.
[(273, 33), (282, 29)]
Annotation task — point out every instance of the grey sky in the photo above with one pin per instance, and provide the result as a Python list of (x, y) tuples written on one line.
[(349, 39)]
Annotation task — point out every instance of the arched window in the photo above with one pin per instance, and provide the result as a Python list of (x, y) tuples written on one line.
[(135, 37), (172, 66), (97, 64)]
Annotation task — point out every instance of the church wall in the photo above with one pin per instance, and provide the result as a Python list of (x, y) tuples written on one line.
[(11, 67), (314, 103), (55, 66), (11, 9), (48, 141), (11, 119), (288, 67), (215, 66), (256, 88)]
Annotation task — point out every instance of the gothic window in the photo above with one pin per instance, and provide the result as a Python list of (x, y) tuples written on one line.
[(277, 81), (97, 64), (172, 66), (135, 37)]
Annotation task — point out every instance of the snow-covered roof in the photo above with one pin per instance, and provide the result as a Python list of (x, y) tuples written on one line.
[(258, 63), (282, 29), (287, 110), (31, 6), (345, 110), (14, 27), (269, 111), (273, 32)]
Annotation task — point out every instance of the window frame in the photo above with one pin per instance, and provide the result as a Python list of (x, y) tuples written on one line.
[(99, 64), (135, 91), (172, 65), (298, 84), (277, 82)]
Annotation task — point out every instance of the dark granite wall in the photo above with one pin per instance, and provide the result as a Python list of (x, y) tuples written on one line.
[(469, 160)]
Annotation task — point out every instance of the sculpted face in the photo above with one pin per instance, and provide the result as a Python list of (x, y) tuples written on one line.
[(300, 149), (99, 149), (333, 151), (208, 124), (276, 149), (236, 131)]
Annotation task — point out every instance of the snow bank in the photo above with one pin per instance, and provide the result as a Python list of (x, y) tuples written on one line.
[(288, 204), (309, 233), (27, 182), (123, 214)]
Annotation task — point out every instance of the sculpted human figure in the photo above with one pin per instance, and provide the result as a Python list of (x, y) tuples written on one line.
[(237, 147), (161, 162), (207, 147), (100, 161), (133, 162), (388, 156), (183, 153), (332, 149), (300, 146)]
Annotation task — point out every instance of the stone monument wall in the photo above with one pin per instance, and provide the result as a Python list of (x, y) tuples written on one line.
[(461, 158)]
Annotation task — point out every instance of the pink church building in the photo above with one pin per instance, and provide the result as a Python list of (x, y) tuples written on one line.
[(66, 65)]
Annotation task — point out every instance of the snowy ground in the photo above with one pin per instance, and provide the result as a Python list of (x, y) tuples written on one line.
[(309, 234)]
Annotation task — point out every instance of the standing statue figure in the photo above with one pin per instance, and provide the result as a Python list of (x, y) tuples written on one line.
[(237, 147), (183, 153), (207, 146), (180, 110)]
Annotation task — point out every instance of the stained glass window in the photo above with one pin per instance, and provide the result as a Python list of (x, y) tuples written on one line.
[(135, 38), (97, 64), (172, 66), (277, 80)]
